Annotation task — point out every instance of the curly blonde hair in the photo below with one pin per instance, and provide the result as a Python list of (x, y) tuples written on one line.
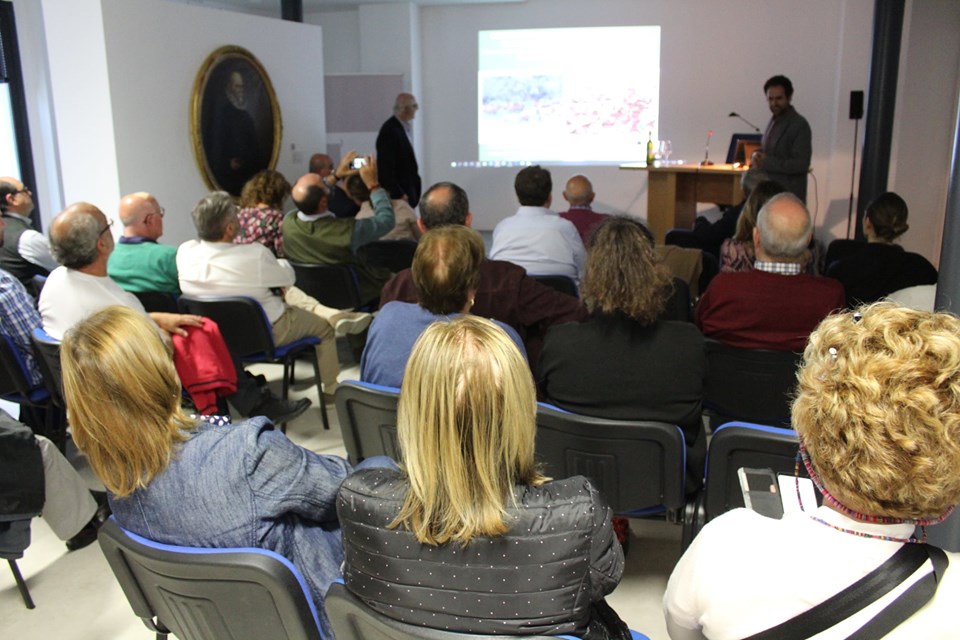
[(267, 186), (878, 409), (623, 273)]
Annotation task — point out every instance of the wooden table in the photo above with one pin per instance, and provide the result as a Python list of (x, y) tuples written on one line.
[(674, 191)]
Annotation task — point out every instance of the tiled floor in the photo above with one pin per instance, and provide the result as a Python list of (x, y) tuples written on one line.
[(78, 599)]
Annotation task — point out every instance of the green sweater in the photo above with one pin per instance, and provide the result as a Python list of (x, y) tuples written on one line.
[(144, 266)]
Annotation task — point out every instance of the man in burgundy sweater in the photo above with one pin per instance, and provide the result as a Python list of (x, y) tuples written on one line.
[(506, 293), (776, 305)]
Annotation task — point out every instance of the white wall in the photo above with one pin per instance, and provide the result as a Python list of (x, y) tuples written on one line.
[(129, 67)]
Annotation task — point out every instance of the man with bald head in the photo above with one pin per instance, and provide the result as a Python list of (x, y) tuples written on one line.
[(396, 160), (339, 202), (776, 305), (579, 194), (313, 235), (138, 262), (24, 251)]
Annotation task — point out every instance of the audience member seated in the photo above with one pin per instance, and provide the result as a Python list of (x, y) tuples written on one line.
[(446, 273), (878, 417), (468, 536), (736, 253), (138, 262), (579, 195), (25, 251), (535, 237), (776, 305), (505, 292), (177, 480), (878, 267), (19, 317), (260, 210), (80, 239), (314, 235), (214, 265), (709, 236), (405, 226), (339, 202), (623, 363), (36, 478)]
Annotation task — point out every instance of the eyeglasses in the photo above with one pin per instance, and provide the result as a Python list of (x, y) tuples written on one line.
[(24, 190), (106, 228), (159, 212)]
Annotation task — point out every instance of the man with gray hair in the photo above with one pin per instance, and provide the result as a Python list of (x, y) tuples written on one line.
[(396, 160), (214, 265), (776, 305)]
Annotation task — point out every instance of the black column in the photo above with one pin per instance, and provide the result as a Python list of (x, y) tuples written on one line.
[(881, 100), (291, 10)]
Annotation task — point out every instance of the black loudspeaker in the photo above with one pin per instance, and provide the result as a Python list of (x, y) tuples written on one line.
[(856, 105)]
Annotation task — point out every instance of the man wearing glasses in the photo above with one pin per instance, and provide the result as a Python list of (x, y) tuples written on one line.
[(138, 262), (24, 251)]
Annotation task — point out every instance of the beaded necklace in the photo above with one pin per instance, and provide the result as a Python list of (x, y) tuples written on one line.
[(855, 515)]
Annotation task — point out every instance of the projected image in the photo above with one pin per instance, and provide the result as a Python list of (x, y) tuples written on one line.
[(567, 95)]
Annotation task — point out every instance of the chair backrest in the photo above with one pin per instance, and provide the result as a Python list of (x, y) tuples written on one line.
[(14, 538), (46, 351), (157, 301), (368, 419), (36, 285), (14, 376), (637, 465), (351, 619), (210, 593), (563, 284), (754, 385), (242, 322), (678, 304), (395, 255), (743, 444), (333, 285)]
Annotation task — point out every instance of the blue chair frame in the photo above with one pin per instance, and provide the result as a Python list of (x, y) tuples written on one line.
[(45, 417), (200, 593)]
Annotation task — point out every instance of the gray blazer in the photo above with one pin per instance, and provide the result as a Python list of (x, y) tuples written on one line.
[(787, 152)]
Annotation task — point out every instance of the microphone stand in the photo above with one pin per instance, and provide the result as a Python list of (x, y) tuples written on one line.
[(734, 114), (853, 174), (706, 155)]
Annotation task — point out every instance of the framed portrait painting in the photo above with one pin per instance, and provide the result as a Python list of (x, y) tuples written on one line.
[(235, 122)]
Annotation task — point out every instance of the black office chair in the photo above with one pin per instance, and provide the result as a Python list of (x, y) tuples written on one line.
[(157, 301), (395, 255), (753, 385), (368, 419), (333, 285), (637, 465), (353, 620), (563, 284), (37, 409), (14, 540), (46, 350), (732, 446), (678, 304), (36, 286), (204, 594), (249, 336)]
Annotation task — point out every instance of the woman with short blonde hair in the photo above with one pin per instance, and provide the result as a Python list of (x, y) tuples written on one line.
[(469, 520), (877, 413), (177, 480)]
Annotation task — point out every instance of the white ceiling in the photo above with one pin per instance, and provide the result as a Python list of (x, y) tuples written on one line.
[(272, 7)]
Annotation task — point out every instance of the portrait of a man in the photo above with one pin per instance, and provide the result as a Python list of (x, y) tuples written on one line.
[(236, 119)]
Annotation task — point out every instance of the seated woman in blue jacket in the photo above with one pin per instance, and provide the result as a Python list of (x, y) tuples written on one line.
[(173, 479), (468, 536)]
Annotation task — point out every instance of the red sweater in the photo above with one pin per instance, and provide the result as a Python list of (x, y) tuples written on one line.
[(761, 310)]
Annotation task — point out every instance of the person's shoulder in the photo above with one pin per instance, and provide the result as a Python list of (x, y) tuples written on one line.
[(376, 482), (188, 247), (575, 491), (503, 269)]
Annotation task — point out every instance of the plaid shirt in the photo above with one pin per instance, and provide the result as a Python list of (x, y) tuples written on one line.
[(783, 268), (18, 319)]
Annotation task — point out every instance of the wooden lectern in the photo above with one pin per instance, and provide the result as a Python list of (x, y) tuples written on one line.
[(675, 189)]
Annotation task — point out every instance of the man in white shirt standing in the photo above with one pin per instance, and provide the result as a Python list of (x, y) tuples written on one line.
[(24, 251), (535, 237), (215, 266)]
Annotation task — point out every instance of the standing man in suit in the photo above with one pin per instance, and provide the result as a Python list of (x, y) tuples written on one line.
[(785, 150), (396, 161)]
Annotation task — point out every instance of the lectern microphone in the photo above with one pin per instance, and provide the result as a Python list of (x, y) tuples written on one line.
[(734, 114)]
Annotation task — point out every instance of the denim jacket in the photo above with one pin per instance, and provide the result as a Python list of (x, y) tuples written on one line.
[(246, 485)]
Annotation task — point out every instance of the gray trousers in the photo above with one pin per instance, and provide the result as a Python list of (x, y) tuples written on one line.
[(68, 505)]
